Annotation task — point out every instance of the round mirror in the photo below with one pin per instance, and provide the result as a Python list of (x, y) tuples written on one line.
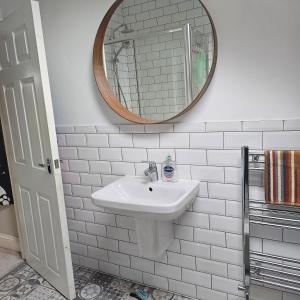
[(153, 60)]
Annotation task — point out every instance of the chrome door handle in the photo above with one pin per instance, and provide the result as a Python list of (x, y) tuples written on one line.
[(47, 165)]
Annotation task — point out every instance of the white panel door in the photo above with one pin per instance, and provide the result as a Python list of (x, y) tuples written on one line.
[(29, 130)]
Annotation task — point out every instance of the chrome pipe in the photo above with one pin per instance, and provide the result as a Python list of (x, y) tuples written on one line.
[(275, 264), (258, 202), (281, 285), (280, 206), (137, 78), (274, 225), (246, 218), (148, 35), (138, 36), (188, 62), (275, 211), (274, 270), (291, 260), (275, 218), (277, 278)]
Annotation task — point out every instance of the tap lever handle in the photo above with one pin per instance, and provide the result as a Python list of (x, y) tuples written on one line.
[(151, 163)]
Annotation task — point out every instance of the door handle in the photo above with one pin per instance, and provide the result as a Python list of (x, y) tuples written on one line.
[(47, 165)]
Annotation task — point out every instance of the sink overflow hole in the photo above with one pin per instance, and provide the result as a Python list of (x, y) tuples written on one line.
[(150, 189)]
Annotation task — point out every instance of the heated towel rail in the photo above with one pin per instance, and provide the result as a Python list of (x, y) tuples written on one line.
[(260, 268)]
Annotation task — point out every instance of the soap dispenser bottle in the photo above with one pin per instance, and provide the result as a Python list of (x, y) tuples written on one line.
[(169, 169)]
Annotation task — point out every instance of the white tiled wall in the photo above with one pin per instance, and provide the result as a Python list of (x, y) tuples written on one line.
[(156, 79), (205, 260)]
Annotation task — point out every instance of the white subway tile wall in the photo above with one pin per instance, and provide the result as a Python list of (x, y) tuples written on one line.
[(205, 260)]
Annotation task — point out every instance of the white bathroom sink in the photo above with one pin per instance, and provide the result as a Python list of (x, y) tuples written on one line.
[(154, 206), (140, 198)]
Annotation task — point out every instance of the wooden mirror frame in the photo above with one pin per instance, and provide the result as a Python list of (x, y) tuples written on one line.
[(103, 84)]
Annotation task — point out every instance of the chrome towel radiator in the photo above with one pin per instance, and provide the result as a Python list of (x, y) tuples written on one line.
[(260, 268)]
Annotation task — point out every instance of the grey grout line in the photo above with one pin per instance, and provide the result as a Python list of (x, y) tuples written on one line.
[(223, 133)]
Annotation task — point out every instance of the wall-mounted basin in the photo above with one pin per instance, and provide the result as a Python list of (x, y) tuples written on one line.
[(138, 197), (154, 205)]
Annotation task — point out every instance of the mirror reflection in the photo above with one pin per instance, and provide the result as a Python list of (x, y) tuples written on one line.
[(158, 55)]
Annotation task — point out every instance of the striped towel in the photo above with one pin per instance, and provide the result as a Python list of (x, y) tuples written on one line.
[(282, 177)]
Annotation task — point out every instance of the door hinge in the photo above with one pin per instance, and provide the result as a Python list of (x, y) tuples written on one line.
[(56, 163)]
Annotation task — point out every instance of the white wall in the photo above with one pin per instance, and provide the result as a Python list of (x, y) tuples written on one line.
[(8, 224), (257, 74)]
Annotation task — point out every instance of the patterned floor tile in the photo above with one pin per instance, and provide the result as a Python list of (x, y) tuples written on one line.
[(25, 283)]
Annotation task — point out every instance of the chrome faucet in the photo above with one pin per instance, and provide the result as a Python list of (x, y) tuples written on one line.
[(151, 171)]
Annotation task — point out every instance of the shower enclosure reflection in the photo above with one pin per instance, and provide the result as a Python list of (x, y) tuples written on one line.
[(157, 62)]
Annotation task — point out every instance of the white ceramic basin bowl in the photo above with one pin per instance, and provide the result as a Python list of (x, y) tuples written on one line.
[(154, 205), (140, 198)]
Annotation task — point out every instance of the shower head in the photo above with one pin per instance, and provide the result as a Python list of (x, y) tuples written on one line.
[(125, 30)]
